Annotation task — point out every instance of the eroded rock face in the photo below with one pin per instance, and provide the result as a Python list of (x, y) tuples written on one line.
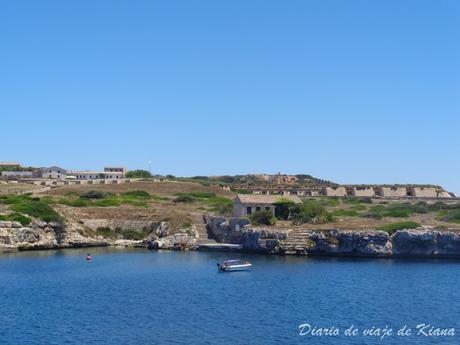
[(42, 235), (372, 243), (184, 239)]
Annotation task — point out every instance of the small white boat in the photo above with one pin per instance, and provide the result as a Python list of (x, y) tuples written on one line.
[(234, 265)]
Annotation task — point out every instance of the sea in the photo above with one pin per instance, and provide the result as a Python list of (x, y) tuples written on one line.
[(134, 296)]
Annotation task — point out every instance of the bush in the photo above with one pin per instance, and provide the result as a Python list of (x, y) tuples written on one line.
[(138, 174), (185, 199), (284, 209), (137, 194), (94, 194), (311, 211), (263, 218), (393, 227)]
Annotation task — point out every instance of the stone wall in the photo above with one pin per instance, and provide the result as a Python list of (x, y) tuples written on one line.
[(335, 191)]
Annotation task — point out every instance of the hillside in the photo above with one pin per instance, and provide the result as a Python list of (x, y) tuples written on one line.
[(254, 181)]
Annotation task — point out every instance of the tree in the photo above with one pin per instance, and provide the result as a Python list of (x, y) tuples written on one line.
[(138, 174)]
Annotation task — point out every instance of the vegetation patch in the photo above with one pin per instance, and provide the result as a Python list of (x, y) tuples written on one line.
[(452, 217), (16, 217), (345, 213), (94, 194), (138, 174), (263, 218), (118, 233), (34, 207), (217, 204), (393, 227)]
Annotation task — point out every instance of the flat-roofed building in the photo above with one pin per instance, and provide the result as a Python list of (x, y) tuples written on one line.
[(94, 175), (115, 169)]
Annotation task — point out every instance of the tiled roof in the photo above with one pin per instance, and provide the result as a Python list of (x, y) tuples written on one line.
[(266, 199)]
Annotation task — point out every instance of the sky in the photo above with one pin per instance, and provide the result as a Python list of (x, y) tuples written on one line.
[(349, 91)]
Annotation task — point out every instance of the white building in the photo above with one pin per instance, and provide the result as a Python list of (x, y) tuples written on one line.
[(95, 175), (122, 170)]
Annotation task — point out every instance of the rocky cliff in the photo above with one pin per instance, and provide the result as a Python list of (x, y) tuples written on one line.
[(372, 243), (43, 235)]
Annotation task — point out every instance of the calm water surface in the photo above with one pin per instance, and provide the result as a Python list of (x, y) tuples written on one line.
[(139, 297)]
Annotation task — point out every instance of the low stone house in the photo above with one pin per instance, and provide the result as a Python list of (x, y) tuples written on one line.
[(246, 204)]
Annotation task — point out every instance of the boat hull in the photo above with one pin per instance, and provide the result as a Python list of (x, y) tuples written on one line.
[(235, 268)]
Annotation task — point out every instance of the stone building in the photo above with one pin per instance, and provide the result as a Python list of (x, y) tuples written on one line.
[(246, 204), (54, 172)]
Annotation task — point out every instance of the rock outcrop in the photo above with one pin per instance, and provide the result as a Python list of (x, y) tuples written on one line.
[(162, 238), (43, 235), (371, 243)]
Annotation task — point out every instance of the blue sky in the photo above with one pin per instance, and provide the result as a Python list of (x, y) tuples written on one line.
[(351, 91)]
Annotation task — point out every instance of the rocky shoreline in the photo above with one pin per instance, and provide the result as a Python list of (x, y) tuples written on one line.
[(426, 243)]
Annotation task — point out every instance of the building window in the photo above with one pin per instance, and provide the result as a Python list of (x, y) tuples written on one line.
[(267, 208), (248, 210), (258, 208)]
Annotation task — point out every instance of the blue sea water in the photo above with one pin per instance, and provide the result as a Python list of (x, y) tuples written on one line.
[(141, 297)]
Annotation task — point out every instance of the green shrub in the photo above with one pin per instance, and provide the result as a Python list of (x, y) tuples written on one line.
[(137, 194), (185, 199), (393, 227), (263, 218), (138, 174), (93, 194), (311, 211)]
